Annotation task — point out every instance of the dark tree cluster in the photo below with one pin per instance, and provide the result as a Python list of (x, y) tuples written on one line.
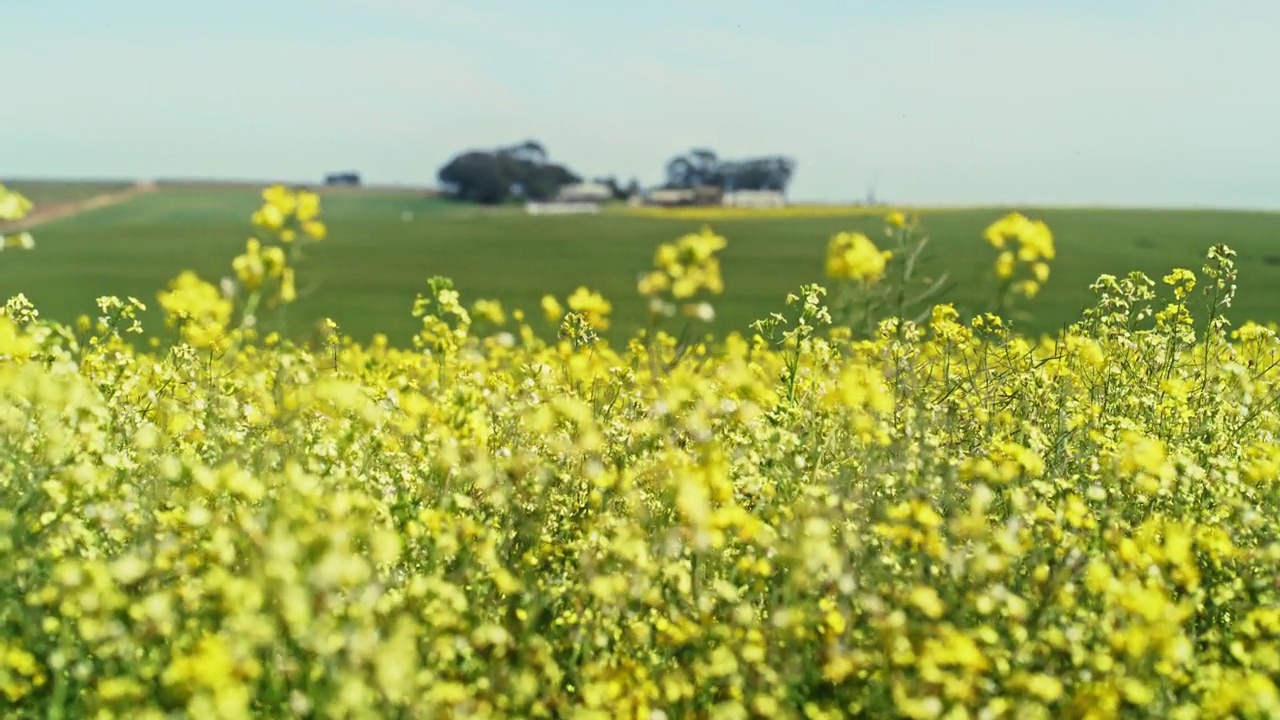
[(619, 191), (703, 168), (491, 177), (524, 171)]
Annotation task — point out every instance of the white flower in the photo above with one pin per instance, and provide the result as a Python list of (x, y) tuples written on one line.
[(705, 312)]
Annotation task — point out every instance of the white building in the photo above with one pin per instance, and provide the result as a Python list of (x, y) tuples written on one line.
[(755, 199), (585, 193), (672, 197), (562, 208)]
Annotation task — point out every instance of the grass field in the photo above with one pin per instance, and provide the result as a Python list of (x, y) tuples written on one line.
[(367, 273), (57, 192)]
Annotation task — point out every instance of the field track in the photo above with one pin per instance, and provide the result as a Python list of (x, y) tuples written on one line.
[(56, 211)]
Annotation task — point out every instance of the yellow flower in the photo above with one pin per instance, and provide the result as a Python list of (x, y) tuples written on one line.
[(1006, 264), (702, 244), (1183, 282), (1044, 687), (667, 256), (315, 229), (273, 261), (13, 206), (198, 307), (307, 206), (652, 283), (1036, 243), (269, 217), (852, 256), (21, 241), (1041, 272), (551, 309), (255, 265), (1006, 229), (685, 268), (592, 306), (927, 601), (288, 291), (489, 310)]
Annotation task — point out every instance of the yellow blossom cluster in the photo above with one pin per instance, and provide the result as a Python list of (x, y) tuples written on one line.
[(14, 206), (257, 265), (198, 309), (682, 271), (288, 213), (935, 520), (1025, 243), (266, 271), (853, 256), (590, 305)]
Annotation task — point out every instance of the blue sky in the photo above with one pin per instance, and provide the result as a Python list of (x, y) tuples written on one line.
[(1131, 102)]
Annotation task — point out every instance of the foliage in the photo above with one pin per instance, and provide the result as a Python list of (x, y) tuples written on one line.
[(618, 190), (491, 177), (702, 167), (932, 519)]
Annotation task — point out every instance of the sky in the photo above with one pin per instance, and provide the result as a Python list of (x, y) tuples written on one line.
[(1123, 102)]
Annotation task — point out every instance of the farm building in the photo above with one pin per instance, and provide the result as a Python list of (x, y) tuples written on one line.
[(349, 179), (579, 198), (755, 199), (701, 195), (584, 193), (562, 208), (672, 197), (708, 195)]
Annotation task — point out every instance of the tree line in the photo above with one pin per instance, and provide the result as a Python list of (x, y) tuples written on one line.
[(524, 171)]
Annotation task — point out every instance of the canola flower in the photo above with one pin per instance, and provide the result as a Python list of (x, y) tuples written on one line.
[(288, 214), (18, 241), (14, 206), (1022, 242), (937, 519), (852, 256), (685, 275), (592, 306), (266, 271)]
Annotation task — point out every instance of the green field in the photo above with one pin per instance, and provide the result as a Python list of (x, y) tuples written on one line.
[(367, 273), (56, 192)]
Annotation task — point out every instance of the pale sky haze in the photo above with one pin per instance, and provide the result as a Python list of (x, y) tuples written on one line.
[(1131, 102)]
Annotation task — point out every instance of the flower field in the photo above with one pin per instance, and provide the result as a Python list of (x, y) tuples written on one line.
[(714, 213), (868, 506)]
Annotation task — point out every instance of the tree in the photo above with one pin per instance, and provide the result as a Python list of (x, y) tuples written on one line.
[(618, 191), (767, 173), (542, 182), (494, 176), (702, 167), (476, 177), (680, 173), (530, 151)]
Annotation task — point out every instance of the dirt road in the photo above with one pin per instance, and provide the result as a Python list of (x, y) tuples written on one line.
[(57, 211)]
